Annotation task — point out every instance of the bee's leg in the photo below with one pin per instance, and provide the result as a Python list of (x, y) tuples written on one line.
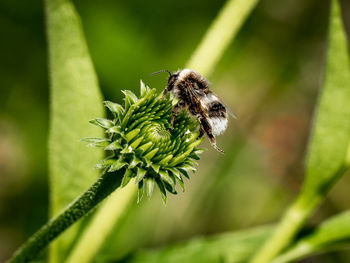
[(177, 107), (205, 126), (201, 132), (165, 91)]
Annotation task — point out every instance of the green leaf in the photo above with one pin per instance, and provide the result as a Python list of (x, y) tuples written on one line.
[(149, 186), (117, 164), (127, 150), (236, 247), (144, 89), (114, 129), (166, 178), (150, 155), (187, 167), (165, 160), (175, 172), (140, 191), (181, 183), (184, 173), (105, 163), (113, 146), (75, 99), (130, 98), (116, 109), (155, 167), (140, 174), (333, 234), (136, 143), (331, 133), (145, 146), (101, 122), (134, 162), (162, 190), (328, 146), (96, 142), (127, 177), (129, 136)]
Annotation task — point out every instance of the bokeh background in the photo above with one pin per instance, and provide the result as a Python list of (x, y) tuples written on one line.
[(269, 76)]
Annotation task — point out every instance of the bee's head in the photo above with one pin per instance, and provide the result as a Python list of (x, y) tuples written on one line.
[(171, 80), (173, 77)]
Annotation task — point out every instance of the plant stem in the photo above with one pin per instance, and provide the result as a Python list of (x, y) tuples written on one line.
[(294, 254), (290, 224), (101, 225), (220, 34), (98, 191)]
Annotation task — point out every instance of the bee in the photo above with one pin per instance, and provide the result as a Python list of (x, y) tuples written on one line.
[(193, 94)]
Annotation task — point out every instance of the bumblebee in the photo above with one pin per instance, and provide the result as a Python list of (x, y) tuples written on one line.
[(193, 94)]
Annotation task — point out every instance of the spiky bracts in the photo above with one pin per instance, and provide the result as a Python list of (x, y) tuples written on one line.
[(139, 140)]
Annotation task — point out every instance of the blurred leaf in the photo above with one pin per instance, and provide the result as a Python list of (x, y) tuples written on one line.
[(330, 235), (75, 99), (220, 34), (328, 144), (331, 132), (229, 247)]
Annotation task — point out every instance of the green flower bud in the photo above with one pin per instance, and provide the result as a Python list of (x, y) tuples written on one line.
[(140, 140)]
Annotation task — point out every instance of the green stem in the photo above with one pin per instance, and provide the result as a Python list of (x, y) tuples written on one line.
[(98, 191), (220, 34), (291, 223), (298, 252), (108, 216)]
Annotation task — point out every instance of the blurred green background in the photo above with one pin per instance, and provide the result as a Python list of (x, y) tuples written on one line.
[(269, 76)]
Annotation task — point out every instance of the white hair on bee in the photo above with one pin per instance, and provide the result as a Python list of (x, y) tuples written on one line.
[(184, 74), (218, 125), (207, 100)]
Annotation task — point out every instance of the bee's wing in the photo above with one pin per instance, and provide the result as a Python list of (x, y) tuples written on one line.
[(230, 112), (227, 109), (198, 95)]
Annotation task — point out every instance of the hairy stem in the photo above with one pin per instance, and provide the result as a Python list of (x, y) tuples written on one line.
[(110, 214), (98, 191), (220, 34)]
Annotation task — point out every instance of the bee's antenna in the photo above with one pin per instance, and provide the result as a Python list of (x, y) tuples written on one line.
[(164, 70)]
